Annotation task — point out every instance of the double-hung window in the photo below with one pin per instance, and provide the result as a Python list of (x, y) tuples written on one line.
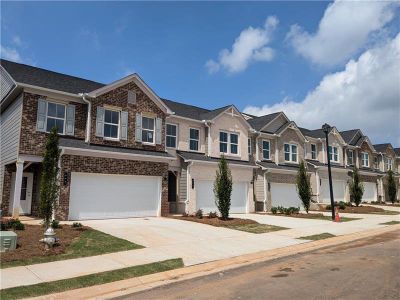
[(171, 135), (148, 130), (333, 154), (266, 149), (55, 117), (234, 142), (249, 146), (350, 159), (376, 162), (228, 143), (313, 151), (388, 164), (194, 135), (223, 142), (290, 151), (364, 159), (111, 124)]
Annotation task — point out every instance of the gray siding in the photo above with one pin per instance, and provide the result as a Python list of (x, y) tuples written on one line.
[(10, 127), (183, 184), (259, 187), (276, 124), (6, 83)]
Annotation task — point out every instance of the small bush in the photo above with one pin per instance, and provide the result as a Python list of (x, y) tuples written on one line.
[(212, 215), (55, 224), (281, 209), (15, 224), (76, 225), (328, 207), (274, 210), (199, 214), (19, 226)]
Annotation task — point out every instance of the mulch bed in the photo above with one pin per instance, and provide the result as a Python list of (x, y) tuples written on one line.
[(387, 204), (357, 210), (216, 221), (29, 246)]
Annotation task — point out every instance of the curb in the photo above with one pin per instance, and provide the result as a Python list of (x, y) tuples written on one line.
[(139, 284)]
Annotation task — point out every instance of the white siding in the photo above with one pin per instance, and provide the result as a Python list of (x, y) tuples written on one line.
[(183, 185), (10, 127), (259, 187)]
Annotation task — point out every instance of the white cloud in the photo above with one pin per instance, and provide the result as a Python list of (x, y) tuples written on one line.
[(10, 53), (343, 30), (365, 95), (16, 40), (249, 46)]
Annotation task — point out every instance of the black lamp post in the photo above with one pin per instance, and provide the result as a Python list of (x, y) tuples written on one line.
[(326, 128)]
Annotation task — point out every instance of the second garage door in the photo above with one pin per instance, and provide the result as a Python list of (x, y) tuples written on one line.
[(339, 189), (285, 194), (370, 193), (100, 196), (205, 199)]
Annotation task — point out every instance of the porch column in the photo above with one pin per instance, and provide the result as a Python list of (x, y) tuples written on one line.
[(357, 159), (17, 188)]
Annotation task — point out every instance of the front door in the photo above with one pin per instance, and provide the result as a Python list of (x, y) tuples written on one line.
[(26, 193)]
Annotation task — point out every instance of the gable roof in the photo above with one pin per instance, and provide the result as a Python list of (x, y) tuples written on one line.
[(382, 147), (186, 110), (397, 151), (313, 133), (213, 113), (35, 76), (259, 122)]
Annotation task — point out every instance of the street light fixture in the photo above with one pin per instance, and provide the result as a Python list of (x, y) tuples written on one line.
[(326, 128)]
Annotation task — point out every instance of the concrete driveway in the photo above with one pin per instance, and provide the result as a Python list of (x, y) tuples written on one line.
[(195, 243)]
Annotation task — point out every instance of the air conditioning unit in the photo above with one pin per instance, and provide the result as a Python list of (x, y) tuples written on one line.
[(8, 241)]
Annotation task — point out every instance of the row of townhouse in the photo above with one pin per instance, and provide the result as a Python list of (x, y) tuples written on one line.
[(126, 152)]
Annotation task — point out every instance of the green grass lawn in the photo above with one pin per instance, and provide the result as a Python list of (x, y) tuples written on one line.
[(256, 228), (386, 212), (317, 237), (342, 219), (390, 223), (90, 242), (89, 280)]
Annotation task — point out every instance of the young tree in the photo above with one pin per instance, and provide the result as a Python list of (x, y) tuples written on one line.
[(392, 189), (223, 188), (356, 188), (49, 187), (303, 186)]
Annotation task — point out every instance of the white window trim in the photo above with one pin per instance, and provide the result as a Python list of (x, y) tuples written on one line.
[(291, 153), (333, 153), (352, 157), (316, 157), (65, 115), (269, 149), (176, 137), (154, 130), (198, 141), (119, 123), (229, 143), (389, 166), (362, 159)]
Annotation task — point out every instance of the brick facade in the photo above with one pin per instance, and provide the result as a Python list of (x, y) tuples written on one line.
[(72, 163), (5, 203)]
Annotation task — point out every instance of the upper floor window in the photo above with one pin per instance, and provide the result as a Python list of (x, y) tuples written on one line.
[(313, 151), (266, 149), (376, 162), (228, 142), (111, 124), (333, 154), (171, 135), (290, 152), (388, 163), (55, 117), (364, 159), (148, 130), (249, 146), (350, 159), (194, 135)]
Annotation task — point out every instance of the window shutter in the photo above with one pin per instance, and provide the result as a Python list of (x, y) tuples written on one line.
[(124, 125), (70, 120), (100, 121), (158, 130), (41, 116), (138, 128)]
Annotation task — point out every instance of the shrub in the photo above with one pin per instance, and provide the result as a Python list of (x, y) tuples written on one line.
[(281, 209), (199, 214), (55, 224), (303, 186), (19, 226), (328, 207), (223, 188), (274, 210), (356, 188), (391, 186), (342, 205), (76, 225), (212, 215), (12, 223)]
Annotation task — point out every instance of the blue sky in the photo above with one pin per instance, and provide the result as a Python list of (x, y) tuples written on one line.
[(170, 43)]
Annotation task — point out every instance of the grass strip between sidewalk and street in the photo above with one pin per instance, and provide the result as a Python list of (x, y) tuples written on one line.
[(89, 280), (317, 237), (390, 223), (256, 228)]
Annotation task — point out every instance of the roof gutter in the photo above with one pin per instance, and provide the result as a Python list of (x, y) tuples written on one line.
[(89, 116)]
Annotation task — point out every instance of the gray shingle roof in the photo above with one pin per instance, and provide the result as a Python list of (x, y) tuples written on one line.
[(259, 122), (382, 147), (397, 151), (185, 110), (48, 79), (75, 143), (314, 133), (348, 135), (213, 113), (186, 155), (295, 167)]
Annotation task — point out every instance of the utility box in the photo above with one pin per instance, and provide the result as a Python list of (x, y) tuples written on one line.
[(8, 241)]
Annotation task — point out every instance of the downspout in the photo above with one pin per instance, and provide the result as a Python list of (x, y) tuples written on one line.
[(89, 117)]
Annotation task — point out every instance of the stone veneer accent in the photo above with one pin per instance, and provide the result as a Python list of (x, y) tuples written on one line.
[(118, 98), (72, 163), (33, 142)]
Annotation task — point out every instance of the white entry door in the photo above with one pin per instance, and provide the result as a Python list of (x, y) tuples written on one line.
[(25, 203), (339, 190), (205, 198), (106, 196)]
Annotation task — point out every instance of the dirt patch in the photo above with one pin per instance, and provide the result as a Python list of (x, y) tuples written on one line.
[(28, 244), (216, 221), (280, 275)]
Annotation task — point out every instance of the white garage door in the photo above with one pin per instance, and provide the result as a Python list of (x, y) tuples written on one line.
[(285, 194), (100, 196), (205, 199), (339, 188), (370, 193)]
